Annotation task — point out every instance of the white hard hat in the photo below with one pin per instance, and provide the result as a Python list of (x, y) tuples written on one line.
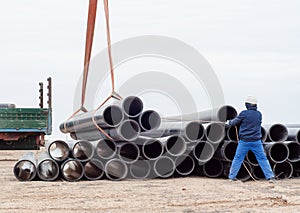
[(251, 100)]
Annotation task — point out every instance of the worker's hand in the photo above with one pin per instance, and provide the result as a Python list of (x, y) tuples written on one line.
[(227, 123)]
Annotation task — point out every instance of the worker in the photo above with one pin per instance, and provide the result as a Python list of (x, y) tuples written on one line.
[(249, 139)]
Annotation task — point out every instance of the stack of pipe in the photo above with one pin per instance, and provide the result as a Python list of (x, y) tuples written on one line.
[(141, 145)]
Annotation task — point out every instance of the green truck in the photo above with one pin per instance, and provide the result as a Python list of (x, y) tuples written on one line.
[(25, 128)]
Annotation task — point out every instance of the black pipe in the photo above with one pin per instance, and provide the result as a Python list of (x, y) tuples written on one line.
[(149, 120), (294, 134), (194, 131), (227, 151), (294, 151), (278, 133), (116, 169), (296, 169), (175, 145), (25, 168), (82, 150), (164, 167), (93, 169), (47, 168), (277, 152), (213, 168), (128, 152), (110, 116), (184, 165), (106, 149), (140, 169), (283, 170), (215, 132), (72, 170), (152, 149), (132, 106), (58, 150), (243, 174), (203, 152)]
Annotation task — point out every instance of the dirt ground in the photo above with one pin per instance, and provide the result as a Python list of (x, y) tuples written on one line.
[(190, 194)]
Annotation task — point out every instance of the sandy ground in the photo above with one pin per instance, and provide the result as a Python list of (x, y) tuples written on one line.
[(190, 194)]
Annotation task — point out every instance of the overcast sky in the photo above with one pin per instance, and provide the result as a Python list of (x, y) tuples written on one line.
[(252, 45)]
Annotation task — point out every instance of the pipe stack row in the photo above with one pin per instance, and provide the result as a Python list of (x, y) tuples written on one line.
[(141, 145)]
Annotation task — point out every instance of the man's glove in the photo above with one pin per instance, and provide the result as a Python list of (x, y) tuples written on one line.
[(227, 123)]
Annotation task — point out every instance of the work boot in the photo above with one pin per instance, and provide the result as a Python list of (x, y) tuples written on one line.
[(271, 180)]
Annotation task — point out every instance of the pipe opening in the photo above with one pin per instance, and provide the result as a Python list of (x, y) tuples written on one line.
[(203, 151), (294, 151), (132, 106), (194, 131), (140, 169), (215, 133), (129, 152), (184, 165), (130, 130), (232, 133), (229, 150), (152, 149), (25, 170), (278, 133), (278, 152), (83, 151), (296, 169), (150, 120), (175, 145), (72, 170), (164, 167), (283, 170), (93, 170), (226, 113), (59, 150), (48, 170), (213, 168), (106, 148), (115, 169), (113, 115), (264, 134)]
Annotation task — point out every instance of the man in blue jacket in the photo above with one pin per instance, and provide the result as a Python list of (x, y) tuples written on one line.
[(249, 139)]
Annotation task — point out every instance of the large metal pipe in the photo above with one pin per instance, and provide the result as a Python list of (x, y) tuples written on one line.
[(72, 170), (215, 132), (294, 134), (140, 169), (82, 150), (132, 106), (116, 169), (191, 131), (89, 135), (294, 151), (277, 133), (184, 164), (25, 168), (93, 169), (227, 151), (258, 173), (106, 149), (221, 113), (277, 152), (152, 149), (164, 167), (58, 150), (296, 169), (110, 116), (213, 168), (250, 157), (47, 168), (128, 130), (203, 152), (283, 170), (128, 152), (149, 120), (174, 145)]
